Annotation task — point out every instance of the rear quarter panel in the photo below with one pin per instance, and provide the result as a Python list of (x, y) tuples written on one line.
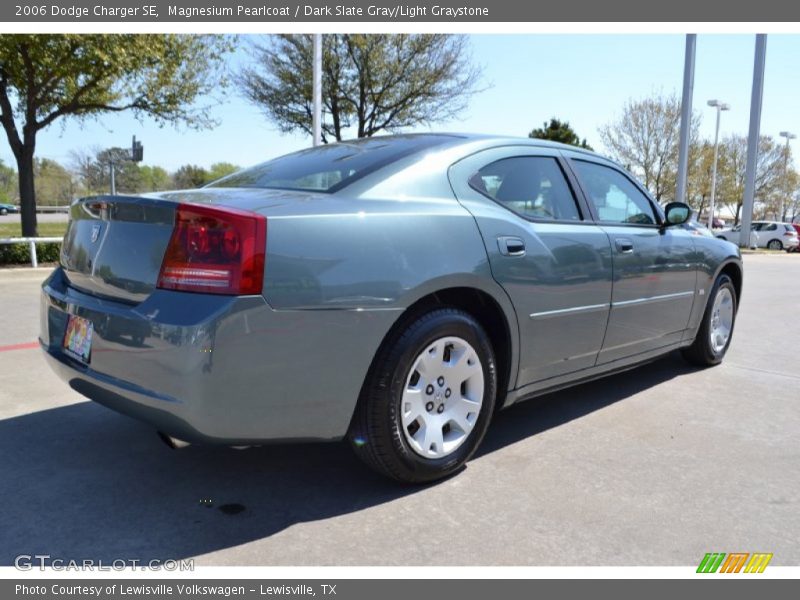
[(367, 254)]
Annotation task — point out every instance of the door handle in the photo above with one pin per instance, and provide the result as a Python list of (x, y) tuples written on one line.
[(624, 245), (510, 245)]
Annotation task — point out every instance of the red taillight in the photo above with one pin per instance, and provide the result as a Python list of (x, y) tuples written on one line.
[(216, 251)]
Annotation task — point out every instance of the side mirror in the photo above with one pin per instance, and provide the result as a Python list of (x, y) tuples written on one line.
[(676, 213)]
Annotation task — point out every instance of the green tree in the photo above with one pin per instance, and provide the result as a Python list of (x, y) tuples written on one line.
[(154, 178), (372, 83), (644, 138), (559, 131), (46, 77), (189, 176), (127, 177), (701, 169), (769, 184), (8, 183), (53, 181), (220, 169)]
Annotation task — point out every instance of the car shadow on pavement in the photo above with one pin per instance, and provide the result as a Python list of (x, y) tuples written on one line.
[(551, 410), (81, 482)]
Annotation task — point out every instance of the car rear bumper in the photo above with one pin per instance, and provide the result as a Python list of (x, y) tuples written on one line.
[(216, 369)]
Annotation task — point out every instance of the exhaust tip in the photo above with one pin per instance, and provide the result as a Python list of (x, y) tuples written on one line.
[(172, 442)]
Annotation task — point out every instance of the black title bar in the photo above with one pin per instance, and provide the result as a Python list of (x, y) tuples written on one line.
[(388, 11)]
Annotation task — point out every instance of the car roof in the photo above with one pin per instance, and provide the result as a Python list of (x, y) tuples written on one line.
[(458, 138)]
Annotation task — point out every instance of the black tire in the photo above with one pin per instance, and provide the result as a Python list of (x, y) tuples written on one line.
[(701, 353), (376, 433), (3, 211), (775, 245)]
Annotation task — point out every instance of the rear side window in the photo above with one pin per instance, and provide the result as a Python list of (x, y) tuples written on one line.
[(531, 186), (329, 168), (615, 198)]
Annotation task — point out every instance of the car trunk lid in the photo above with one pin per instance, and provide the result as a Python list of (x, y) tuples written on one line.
[(114, 245)]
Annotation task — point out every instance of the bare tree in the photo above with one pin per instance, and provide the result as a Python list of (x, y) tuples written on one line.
[(701, 171), (769, 173), (644, 138), (373, 83)]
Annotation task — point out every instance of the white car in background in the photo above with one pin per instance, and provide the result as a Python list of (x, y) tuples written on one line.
[(765, 234), (732, 234), (776, 235)]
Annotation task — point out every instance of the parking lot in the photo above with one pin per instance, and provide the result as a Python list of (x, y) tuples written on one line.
[(656, 466)]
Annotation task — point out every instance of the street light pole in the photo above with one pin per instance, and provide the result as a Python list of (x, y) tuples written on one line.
[(317, 89), (789, 136), (756, 100), (720, 106), (686, 117)]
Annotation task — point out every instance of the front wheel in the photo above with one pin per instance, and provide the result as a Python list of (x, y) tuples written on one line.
[(428, 400), (3, 211), (716, 329)]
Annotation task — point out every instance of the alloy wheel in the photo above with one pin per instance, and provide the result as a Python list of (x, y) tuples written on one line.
[(721, 320), (442, 397)]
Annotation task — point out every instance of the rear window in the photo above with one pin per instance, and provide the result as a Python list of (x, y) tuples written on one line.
[(329, 168)]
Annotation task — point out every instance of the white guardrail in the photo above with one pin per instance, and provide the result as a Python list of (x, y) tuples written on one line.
[(31, 241)]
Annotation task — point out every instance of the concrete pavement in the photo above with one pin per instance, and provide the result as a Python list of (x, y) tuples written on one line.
[(656, 466)]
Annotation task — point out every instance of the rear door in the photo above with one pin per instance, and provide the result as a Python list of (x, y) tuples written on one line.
[(655, 277), (544, 249)]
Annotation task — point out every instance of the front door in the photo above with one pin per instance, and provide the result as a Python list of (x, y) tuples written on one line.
[(654, 268)]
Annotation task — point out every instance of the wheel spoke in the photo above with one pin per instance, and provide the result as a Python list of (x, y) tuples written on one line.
[(464, 413), (439, 409), (429, 362), (461, 367), (413, 406), (433, 443)]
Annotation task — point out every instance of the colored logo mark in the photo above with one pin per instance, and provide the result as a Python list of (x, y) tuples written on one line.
[(735, 562)]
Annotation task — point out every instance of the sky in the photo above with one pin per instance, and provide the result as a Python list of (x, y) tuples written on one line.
[(584, 79)]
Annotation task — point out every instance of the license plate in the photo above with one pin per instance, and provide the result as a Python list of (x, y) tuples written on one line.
[(78, 338)]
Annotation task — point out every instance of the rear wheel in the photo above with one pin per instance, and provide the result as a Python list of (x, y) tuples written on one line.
[(775, 245), (427, 403), (3, 211), (716, 330)]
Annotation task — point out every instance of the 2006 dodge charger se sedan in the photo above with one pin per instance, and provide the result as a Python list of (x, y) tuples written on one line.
[(395, 291)]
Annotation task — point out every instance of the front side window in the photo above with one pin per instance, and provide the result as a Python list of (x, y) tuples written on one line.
[(531, 186), (615, 198)]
